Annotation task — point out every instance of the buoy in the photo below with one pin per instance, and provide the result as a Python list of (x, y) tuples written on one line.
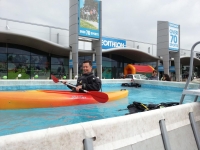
[(19, 75), (36, 76), (4, 77)]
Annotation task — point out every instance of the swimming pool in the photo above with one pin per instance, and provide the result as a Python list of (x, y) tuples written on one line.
[(16, 121)]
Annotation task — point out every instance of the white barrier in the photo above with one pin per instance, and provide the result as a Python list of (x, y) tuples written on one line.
[(126, 132)]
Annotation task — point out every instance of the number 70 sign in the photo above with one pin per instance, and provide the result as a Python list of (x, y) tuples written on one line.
[(173, 37)]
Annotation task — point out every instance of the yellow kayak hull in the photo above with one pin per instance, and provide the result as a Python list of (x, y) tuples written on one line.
[(50, 98)]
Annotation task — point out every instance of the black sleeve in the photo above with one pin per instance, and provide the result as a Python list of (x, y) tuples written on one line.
[(70, 87), (93, 84)]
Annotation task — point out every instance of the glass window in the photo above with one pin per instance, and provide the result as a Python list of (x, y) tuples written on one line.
[(40, 67), (59, 66), (3, 57), (14, 69), (107, 64), (88, 58), (39, 59), (3, 48), (114, 63), (117, 57), (59, 61), (106, 72), (40, 71), (106, 58), (59, 70), (17, 49), (16, 58), (3, 70)]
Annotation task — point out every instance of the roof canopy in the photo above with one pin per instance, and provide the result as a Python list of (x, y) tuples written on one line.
[(133, 54)]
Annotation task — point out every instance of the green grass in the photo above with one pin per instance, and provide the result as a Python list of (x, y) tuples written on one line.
[(13, 75), (85, 24)]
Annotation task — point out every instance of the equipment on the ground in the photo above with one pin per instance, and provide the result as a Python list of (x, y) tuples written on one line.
[(136, 107)]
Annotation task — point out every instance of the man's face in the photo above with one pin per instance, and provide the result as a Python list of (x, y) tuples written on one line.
[(87, 68)]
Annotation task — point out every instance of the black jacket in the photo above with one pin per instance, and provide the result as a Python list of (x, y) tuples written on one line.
[(89, 82)]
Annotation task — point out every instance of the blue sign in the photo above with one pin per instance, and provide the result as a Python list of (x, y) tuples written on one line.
[(112, 43), (171, 69), (94, 65), (173, 37), (89, 18), (70, 64)]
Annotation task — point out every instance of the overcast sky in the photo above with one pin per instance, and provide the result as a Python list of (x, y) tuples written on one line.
[(127, 19)]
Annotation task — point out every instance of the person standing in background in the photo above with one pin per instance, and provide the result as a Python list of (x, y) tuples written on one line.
[(154, 75), (165, 77)]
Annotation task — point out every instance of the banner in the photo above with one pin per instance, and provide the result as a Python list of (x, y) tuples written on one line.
[(173, 37), (89, 18), (70, 64), (112, 43), (94, 65), (171, 69)]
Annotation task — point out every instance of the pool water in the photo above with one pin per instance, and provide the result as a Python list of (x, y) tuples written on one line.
[(16, 121)]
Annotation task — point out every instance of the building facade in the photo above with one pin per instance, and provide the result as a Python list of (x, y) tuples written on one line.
[(36, 51)]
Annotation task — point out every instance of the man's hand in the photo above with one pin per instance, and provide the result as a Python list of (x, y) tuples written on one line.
[(64, 82), (78, 88)]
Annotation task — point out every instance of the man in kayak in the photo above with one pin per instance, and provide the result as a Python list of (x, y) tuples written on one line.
[(88, 81)]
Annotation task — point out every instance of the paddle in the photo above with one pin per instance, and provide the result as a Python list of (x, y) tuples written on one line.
[(98, 96)]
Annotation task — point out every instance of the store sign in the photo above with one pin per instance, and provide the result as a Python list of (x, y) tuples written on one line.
[(94, 65), (171, 69), (108, 43), (173, 37), (70, 64)]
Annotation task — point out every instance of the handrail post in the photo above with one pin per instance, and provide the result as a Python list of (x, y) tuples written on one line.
[(191, 64), (88, 144), (195, 130), (164, 135)]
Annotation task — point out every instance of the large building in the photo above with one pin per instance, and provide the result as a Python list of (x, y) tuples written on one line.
[(37, 50)]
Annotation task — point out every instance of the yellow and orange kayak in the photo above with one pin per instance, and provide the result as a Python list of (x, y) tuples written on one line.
[(50, 98)]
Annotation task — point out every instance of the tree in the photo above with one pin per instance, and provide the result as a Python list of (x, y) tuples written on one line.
[(91, 3)]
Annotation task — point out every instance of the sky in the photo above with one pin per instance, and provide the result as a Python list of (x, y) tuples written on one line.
[(126, 19)]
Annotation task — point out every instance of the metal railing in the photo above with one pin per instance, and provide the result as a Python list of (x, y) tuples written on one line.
[(190, 71)]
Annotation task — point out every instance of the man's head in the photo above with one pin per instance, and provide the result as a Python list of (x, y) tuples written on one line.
[(87, 67), (154, 73)]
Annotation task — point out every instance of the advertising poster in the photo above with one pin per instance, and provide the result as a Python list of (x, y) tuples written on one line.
[(89, 18), (173, 37)]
